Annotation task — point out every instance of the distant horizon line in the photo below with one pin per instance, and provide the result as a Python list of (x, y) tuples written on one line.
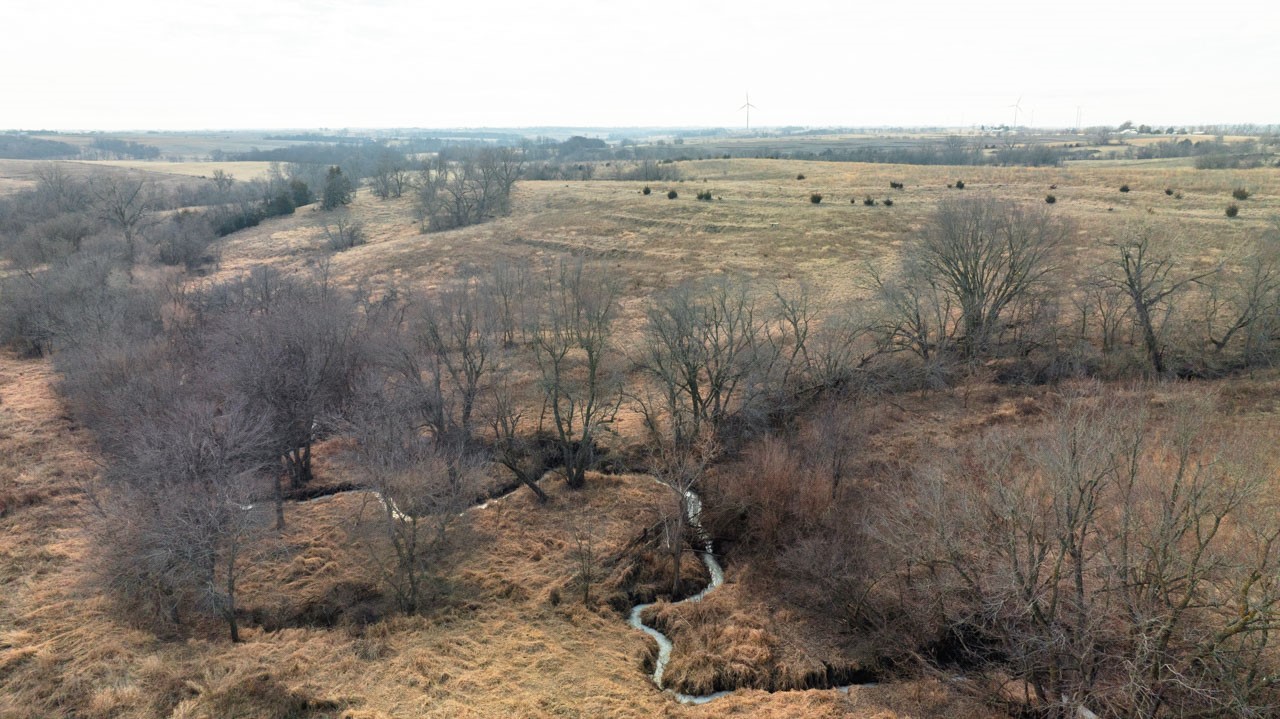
[(615, 128)]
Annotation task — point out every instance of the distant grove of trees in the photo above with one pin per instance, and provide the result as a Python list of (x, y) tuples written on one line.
[(23, 147), (113, 148)]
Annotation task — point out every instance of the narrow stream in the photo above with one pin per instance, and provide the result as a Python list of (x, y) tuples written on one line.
[(717, 578)]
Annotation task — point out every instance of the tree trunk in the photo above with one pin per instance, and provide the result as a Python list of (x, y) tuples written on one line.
[(532, 483), (677, 542), (279, 492), (299, 461), (231, 602), (1149, 338)]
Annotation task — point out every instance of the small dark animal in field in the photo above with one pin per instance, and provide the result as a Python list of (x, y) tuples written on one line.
[(1053, 187)]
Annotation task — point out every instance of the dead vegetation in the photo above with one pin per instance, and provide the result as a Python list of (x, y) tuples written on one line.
[(505, 636), (520, 613)]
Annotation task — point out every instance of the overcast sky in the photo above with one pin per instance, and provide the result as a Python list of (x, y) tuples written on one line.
[(188, 64)]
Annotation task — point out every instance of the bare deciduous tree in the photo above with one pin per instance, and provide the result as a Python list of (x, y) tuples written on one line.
[(467, 188), (1243, 304), (178, 511), (1144, 276), (421, 486), (1110, 561), (704, 342), (295, 349), (986, 257), (572, 348), (682, 468), (125, 202), (511, 448)]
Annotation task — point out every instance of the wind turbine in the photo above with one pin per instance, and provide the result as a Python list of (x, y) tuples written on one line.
[(1017, 107), (748, 107)]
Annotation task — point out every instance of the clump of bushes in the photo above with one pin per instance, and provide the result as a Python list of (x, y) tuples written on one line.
[(672, 194), (959, 184), (1240, 193), (868, 201), (896, 185), (1050, 199), (1124, 188), (344, 235), (704, 195), (1168, 191), (1233, 209), (815, 198), (800, 176), (888, 202), (646, 190)]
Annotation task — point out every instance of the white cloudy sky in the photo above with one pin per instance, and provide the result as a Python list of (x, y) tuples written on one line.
[(180, 64)]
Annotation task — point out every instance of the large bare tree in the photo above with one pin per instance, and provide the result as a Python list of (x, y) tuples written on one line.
[(984, 257), (125, 202), (178, 514), (572, 347)]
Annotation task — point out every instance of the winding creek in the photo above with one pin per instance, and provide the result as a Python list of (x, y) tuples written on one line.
[(665, 646), (694, 503)]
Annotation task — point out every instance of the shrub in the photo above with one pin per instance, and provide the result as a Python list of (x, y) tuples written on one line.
[(279, 204), (1233, 209), (896, 185), (868, 201), (888, 202), (672, 194), (815, 198), (704, 195), (1050, 199), (959, 184), (1124, 188), (301, 193), (1168, 191), (646, 190), (344, 235), (1240, 193), (800, 176)]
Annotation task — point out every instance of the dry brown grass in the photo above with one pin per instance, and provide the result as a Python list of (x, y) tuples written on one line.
[(505, 636), (240, 170), (764, 225)]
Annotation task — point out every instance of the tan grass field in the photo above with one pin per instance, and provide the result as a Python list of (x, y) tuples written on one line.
[(507, 636), (763, 225), (239, 170)]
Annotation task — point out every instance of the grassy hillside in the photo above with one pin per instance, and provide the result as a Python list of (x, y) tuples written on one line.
[(507, 632)]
